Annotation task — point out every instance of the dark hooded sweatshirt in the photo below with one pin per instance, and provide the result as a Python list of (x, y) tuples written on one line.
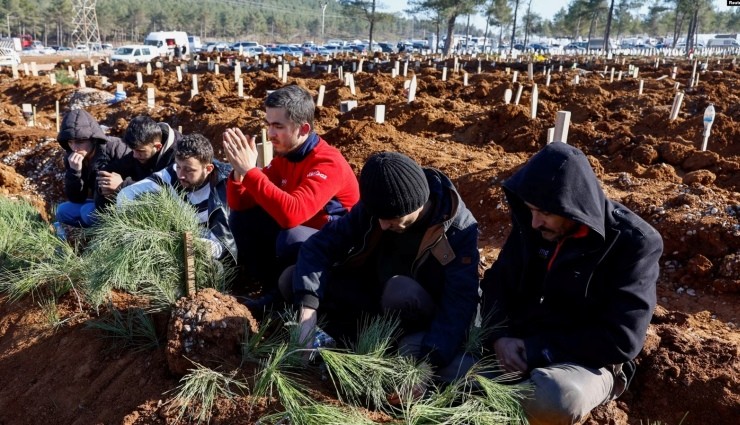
[(588, 299), (78, 124), (132, 171)]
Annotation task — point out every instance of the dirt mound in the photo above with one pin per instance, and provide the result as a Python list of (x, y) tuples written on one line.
[(651, 164)]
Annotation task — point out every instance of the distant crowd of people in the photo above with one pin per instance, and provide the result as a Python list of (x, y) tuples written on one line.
[(571, 293)]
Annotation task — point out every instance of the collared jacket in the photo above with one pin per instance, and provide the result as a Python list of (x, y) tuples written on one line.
[(593, 303), (78, 124), (446, 264), (310, 186), (132, 171), (209, 201)]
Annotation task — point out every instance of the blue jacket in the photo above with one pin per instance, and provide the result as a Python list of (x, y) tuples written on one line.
[(446, 266), (592, 306)]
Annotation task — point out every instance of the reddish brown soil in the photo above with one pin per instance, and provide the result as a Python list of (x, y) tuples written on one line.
[(690, 361)]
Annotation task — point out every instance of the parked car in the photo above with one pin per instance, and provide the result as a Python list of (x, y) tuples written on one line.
[(292, 50), (387, 47), (539, 47), (578, 46), (82, 48), (134, 53), (216, 46), (244, 45), (277, 51)]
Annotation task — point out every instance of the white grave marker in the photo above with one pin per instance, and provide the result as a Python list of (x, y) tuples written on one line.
[(676, 106), (139, 80), (507, 96), (412, 89), (240, 88), (535, 95), (380, 114), (320, 98), (150, 97), (562, 123)]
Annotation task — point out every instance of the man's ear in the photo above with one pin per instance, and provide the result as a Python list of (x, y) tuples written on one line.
[(158, 146), (209, 168), (305, 129)]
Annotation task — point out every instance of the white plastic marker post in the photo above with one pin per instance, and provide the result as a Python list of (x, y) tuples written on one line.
[(34, 69), (81, 78), (535, 95), (178, 71), (149, 68), (52, 79), (380, 114), (57, 114), (547, 80), (550, 134), (240, 87), (237, 70), (320, 98), (530, 71), (150, 97), (708, 120), (639, 90), (412, 89), (194, 90), (352, 90), (444, 73), (507, 96), (611, 76), (518, 94), (139, 80), (465, 79), (676, 105), (514, 77), (562, 123)]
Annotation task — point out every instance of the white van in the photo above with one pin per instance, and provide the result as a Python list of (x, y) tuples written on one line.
[(194, 43), (723, 43), (165, 41), (134, 53)]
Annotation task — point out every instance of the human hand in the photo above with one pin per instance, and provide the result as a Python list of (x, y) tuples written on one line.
[(109, 183), (75, 161), (241, 152), (415, 393), (511, 354)]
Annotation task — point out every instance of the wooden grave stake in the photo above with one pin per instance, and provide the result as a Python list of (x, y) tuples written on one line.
[(238, 71), (25, 69), (34, 69), (240, 87), (178, 71), (405, 68), (148, 68), (611, 76), (216, 69), (639, 90), (352, 90), (514, 77), (550, 134), (70, 72), (81, 79), (52, 79), (189, 252), (264, 151), (56, 114), (139, 80), (14, 68), (444, 73), (562, 123), (530, 71), (465, 79)]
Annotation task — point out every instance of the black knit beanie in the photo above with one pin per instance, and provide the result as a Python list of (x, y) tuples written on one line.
[(392, 185)]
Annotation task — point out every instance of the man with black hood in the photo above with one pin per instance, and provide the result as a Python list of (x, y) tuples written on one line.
[(152, 149), (201, 181), (410, 247), (573, 287), (88, 150)]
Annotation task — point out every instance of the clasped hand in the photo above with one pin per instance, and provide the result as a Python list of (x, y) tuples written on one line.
[(241, 152)]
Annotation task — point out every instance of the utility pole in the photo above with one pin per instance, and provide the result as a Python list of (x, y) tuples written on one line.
[(323, 15), (86, 24)]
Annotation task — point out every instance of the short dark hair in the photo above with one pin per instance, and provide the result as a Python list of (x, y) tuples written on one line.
[(141, 131), (297, 101), (194, 145)]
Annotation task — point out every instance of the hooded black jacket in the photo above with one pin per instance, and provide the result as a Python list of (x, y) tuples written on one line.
[(594, 304), (78, 124), (132, 171)]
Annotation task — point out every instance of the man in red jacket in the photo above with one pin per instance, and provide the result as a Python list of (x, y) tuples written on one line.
[(275, 209)]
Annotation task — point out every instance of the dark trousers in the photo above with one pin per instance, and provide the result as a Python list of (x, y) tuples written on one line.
[(264, 248)]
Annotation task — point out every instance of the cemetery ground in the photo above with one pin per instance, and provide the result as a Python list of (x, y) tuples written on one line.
[(690, 364)]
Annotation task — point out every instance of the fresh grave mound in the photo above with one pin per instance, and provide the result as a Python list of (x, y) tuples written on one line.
[(207, 329)]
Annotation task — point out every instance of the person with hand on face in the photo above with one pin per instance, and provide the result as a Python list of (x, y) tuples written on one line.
[(88, 149), (573, 288), (152, 149), (276, 208), (201, 181), (409, 247)]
